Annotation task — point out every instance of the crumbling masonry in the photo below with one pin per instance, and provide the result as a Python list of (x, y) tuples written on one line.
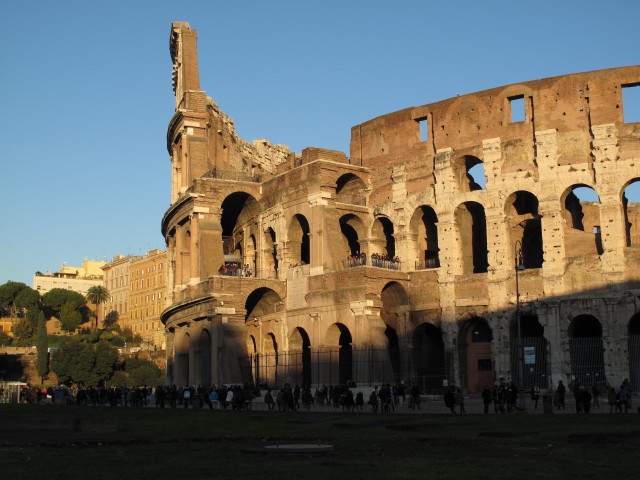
[(399, 262)]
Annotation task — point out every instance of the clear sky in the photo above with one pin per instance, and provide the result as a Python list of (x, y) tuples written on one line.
[(86, 92)]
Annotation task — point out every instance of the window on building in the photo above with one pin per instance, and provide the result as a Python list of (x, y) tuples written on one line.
[(423, 124), (631, 102), (517, 108)]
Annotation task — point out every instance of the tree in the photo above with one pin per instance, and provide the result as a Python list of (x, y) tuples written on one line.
[(55, 298), (70, 317), (17, 295), (97, 295), (143, 372), (111, 319), (27, 298), (42, 344), (25, 329), (82, 362)]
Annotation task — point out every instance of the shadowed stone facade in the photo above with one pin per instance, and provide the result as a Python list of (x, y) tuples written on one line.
[(399, 262)]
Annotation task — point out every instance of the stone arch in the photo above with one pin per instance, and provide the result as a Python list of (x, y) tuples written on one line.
[(181, 370), (524, 225), (529, 362), (300, 357), (471, 226), (338, 336), (202, 360), (633, 335), (582, 221), (298, 242), (239, 211), (423, 228), (476, 362), (586, 350), (631, 212), (468, 169), (382, 240), (351, 189), (261, 302), (395, 300), (353, 230), (270, 254), (269, 360)]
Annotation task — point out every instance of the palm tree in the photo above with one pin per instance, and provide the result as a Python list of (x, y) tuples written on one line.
[(97, 295)]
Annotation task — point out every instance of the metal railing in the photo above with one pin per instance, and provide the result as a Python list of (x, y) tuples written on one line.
[(365, 366), (360, 261)]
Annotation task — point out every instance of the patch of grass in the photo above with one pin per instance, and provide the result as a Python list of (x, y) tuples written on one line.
[(75, 442)]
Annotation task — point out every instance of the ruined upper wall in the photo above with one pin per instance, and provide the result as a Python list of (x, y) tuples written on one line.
[(201, 139), (571, 105)]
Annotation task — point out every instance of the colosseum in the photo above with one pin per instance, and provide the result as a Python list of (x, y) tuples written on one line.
[(453, 245)]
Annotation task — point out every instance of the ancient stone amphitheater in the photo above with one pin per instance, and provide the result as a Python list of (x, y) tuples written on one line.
[(454, 245)]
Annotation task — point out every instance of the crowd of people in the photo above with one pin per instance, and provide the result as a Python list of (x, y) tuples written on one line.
[(235, 269), (386, 398), (375, 260)]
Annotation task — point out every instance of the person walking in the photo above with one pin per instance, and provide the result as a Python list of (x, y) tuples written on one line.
[(459, 399), (487, 397), (535, 395)]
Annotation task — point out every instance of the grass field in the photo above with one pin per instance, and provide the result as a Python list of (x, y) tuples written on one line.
[(95, 443)]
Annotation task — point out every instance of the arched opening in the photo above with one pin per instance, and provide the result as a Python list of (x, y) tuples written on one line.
[(382, 239), (261, 306), (428, 357), (533, 369), (393, 349), (300, 357), (476, 357), (252, 256), (631, 212), (582, 218), (395, 301), (424, 227), (352, 229), (261, 302), (338, 335), (469, 171), (202, 362), (182, 361), (350, 189), (270, 254), (299, 251), (471, 226), (269, 373), (239, 209), (633, 332), (587, 351), (525, 227)]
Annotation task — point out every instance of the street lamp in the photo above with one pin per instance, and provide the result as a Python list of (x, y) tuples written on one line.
[(519, 265)]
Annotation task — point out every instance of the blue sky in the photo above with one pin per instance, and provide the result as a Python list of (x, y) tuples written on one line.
[(86, 93)]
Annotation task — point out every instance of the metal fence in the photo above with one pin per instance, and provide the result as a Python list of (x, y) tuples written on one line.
[(531, 367), (587, 360), (348, 366)]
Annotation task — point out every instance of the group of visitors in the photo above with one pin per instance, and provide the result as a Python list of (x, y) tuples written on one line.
[(235, 269), (376, 260), (619, 399), (503, 396)]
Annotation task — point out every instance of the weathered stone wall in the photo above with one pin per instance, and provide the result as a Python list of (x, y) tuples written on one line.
[(395, 263)]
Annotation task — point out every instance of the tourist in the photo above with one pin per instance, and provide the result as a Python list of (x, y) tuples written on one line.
[(535, 395), (487, 397)]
